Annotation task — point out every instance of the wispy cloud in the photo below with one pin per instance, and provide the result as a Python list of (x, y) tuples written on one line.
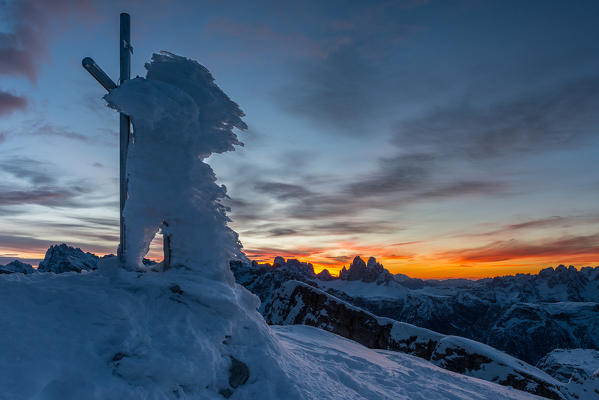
[(36, 182), (10, 102), (26, 168), (539, 224), (23, 48), (551, 119), (283, 191), (564, 247), (46, 129)]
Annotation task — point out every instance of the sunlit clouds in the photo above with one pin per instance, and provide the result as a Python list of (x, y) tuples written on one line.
[(445, 138)]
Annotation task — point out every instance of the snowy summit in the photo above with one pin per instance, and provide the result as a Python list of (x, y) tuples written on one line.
[(188, 331)]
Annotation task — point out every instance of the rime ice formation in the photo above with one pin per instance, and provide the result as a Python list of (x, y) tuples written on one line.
[(180, 117)]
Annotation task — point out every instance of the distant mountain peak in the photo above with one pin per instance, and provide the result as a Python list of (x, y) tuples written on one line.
[(366, 272)]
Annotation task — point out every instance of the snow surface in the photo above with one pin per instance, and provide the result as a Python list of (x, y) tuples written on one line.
[(337, 368), (117, 334)]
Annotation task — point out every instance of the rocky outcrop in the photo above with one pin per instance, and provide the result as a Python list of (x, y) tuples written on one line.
[(577, 368), (298, 303), (16, 266), (570, 364), (62, 258), (365, 272), (265, 279), (325, 275)]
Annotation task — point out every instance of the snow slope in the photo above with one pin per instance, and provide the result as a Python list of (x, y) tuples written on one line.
[(337, 368), (298, 303), (112, 334), (116, 334)]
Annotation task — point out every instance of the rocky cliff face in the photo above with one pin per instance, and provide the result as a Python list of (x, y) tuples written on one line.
[(298, 303)]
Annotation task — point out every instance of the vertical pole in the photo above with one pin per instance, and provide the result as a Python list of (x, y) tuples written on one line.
[(125, 52), (166, 246)]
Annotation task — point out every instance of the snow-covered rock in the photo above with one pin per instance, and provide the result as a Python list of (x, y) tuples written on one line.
[(16, 266), (265, 279), (570, 364), (577, 368), (298, 303), (62, 258)]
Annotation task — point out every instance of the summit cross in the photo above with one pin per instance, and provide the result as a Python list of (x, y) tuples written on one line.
[(90, 65)]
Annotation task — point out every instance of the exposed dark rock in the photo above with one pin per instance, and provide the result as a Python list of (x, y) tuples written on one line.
[(148, 263), (366, 272), (239, 373), (176, 289)]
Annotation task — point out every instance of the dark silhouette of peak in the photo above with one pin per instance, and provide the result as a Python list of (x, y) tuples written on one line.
[(366, 272)]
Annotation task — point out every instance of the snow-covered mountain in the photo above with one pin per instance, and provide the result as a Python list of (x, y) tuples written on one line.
[(112, 333), (294, 294), (525, 315)]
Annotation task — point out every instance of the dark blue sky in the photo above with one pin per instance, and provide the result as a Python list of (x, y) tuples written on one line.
[(449, 138)]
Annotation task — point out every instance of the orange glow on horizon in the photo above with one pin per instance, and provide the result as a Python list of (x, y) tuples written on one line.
[(439, 268), (400, 258)]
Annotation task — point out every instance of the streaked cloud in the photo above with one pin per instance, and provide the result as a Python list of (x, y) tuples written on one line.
[(10, 102), (551, 119), (565, 248)]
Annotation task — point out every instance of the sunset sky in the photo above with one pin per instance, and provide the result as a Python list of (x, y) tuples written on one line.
[(446, 138)]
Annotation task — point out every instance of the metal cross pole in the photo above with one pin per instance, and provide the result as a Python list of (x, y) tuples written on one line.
[(125, 125), (125, 50)]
